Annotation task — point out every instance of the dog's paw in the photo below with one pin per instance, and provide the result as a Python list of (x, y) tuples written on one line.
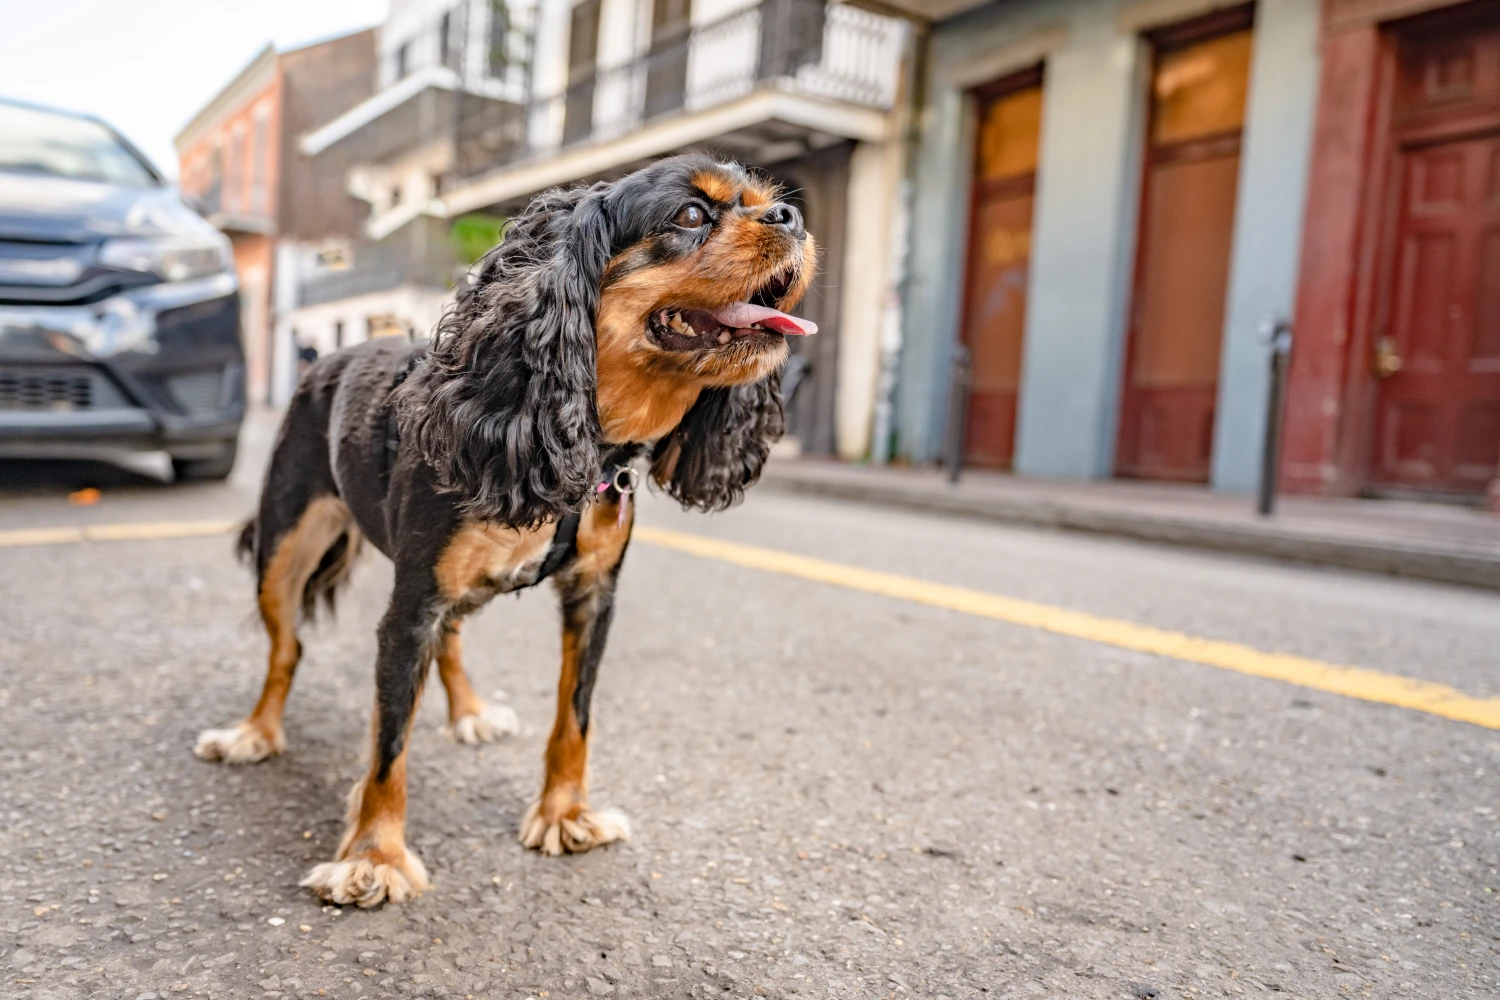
[(243, 744), (491, 723), (587, 830), (369, 879)]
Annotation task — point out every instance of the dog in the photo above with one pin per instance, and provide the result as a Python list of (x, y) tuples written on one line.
[(640, 317)]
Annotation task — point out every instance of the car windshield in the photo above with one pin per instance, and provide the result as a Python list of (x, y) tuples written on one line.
[(33, 141)]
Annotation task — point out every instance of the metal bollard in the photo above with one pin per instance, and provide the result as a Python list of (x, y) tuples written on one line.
[(1278, 334), (958, 411)]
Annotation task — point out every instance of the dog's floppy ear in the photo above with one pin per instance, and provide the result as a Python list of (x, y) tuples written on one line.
[(718, 449), (504, 408)]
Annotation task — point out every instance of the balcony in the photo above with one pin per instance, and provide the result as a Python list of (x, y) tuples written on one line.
[(236, 216), (768, 81), (418, 254)]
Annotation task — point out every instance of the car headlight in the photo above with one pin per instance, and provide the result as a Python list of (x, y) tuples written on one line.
[(173, 258)]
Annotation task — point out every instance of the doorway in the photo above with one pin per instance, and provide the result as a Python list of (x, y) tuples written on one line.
[(1198, 86), (998, 263), (1436, 337)]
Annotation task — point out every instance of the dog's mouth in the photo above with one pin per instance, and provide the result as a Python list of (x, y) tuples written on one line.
[(687, 328)]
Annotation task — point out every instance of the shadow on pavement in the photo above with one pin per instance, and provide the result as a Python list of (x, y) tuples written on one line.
[(47, 477)]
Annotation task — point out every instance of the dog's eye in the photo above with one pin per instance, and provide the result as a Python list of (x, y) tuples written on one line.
[(691, 217)]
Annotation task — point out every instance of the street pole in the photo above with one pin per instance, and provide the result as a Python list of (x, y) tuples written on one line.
[(1278, 334), (958, 411)]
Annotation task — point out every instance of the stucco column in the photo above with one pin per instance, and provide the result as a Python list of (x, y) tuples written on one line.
[(1083, 248), (874, 175), (1275, 147)]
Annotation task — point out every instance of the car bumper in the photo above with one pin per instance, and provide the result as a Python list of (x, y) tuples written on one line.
[(159, 367)]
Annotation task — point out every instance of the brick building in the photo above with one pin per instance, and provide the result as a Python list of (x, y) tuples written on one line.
[(238, 157)]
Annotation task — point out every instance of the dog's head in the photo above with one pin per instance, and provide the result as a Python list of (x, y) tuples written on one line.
[(645, 310)]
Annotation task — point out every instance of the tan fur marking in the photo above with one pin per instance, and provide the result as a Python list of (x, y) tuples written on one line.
[(716, 185), (373, 864), (601, 545), (462, 700), (480, 553)]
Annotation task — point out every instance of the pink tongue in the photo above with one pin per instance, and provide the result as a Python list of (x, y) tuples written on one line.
[(742, 315)]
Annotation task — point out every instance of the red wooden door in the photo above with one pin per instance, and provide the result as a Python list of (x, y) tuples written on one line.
[(1437, 418), (1182, 261), (998, 262), (1436, 425)]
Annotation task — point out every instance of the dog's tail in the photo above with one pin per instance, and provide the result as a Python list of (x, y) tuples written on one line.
[(244, 543)]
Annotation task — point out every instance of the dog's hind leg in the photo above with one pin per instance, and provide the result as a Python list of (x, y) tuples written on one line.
[(319, 543), (561, 819), (470, 720)]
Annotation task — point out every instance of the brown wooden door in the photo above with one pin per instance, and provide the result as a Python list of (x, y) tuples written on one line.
[(1182, 261), (1437, 352), (998, 263)]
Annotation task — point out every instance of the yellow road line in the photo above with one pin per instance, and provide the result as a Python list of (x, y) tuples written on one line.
[(1353, 682), (127, 532)]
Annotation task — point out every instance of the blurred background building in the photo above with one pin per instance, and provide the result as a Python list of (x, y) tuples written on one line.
[(1109, 210), (1054, 231), (238, 159)]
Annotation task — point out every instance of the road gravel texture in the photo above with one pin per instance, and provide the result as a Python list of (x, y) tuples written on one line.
[(834, 794)]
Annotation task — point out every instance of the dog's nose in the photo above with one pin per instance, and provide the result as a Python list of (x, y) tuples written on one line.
[(784, 215)]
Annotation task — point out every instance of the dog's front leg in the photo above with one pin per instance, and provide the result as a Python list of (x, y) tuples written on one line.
[(373, 863), (561, 820)]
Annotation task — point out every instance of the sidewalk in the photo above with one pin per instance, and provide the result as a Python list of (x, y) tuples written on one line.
[(1429, 541)]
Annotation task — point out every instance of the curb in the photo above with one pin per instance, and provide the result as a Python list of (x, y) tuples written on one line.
[(1442, 564)]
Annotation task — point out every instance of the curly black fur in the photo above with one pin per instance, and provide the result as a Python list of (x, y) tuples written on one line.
[(504, 408), (718, 450)]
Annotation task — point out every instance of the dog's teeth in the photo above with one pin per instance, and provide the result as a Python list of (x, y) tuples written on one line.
[(688, 331), (676, 323), (723, 337)]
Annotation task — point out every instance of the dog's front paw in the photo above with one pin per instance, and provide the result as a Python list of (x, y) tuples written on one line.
[(369, 878), (485, 726), (579, 832), (243, 744)]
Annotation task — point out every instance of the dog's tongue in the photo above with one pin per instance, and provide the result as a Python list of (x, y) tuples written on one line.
[(742, 315)]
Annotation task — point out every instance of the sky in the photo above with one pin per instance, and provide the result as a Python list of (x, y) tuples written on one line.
[(147, 66)]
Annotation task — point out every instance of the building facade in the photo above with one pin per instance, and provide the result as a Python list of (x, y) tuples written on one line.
[(1395, 383), (238, 159), (487, 103), (1108, 211), (1117, 199)]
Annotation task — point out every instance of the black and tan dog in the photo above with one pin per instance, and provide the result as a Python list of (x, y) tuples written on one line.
[(641, 316)]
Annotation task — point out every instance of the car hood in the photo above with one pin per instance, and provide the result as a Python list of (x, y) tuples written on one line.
[(62, 210)]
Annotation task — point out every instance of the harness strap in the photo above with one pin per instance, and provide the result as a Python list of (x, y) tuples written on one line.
[(564, 545)]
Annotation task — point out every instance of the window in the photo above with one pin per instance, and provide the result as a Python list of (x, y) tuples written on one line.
[(395, 195), (583, 55), (402, 55), (338, 335), (234, 171), (497, 57), (445, 47), (260, 158)]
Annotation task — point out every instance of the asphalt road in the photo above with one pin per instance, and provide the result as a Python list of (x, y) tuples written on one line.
[(833, 793)]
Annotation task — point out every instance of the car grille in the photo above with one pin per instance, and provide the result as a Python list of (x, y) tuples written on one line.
[(57, 388), (45, 391)]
